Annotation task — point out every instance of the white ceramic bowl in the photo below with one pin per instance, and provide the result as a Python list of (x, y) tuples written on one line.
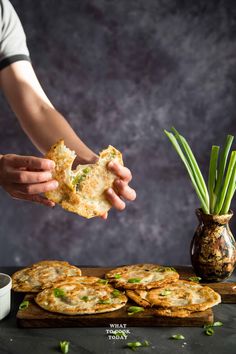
[(5, 295)]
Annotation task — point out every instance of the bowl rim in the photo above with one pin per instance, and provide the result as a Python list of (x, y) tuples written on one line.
[(6, 287)]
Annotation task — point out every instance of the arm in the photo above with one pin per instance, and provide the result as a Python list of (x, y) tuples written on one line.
[(37, 116), (44, 125)]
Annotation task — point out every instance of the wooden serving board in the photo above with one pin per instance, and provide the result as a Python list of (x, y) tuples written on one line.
[(34, 316)]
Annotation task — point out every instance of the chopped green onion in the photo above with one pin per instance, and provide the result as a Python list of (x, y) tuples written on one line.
[(104, 302), (165, 292), (195, 279), (117, 276), (134, 345), (86, 170), (58, 292), (24, 305), (64, 346), (120, 333), (214, 324), (134, 280), (112, 154), (209, 331), (116, 293), (103, 281), (177, 336), (134, 309), (84, 298), (217, 324)]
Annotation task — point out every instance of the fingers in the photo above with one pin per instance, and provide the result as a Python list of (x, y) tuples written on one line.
[(35, 188), (104, 216), (30, 162), (124, 190), (33, 198), (113, 198), (121, 171), (21, 176)]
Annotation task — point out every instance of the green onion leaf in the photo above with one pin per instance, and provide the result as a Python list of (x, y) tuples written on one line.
[(64, 346), (86, 170), (165, 292), (145, 343), (24, 305), (209, 331), (213, 175), (230, 192), (117, 276), (134, 280), (223, 162), (177, 336), (116, 293), (120, 333), (104, 302), (195, 279), (193, 165), (221, 196), (103, 281), (214, 324), (217, 324), (58, 292), (85, 298), (203, 199), (134, 309), (135, 345)]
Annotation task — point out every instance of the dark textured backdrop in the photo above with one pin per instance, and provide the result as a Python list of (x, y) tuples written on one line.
[(121, 72)]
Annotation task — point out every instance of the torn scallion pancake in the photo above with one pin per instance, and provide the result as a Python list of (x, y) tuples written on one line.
[(81, 191)]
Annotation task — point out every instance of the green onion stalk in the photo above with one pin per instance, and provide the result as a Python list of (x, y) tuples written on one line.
[(215, 197)]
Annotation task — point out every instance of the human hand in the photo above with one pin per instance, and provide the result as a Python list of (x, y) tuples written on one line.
[(25, 177), (121, 188)]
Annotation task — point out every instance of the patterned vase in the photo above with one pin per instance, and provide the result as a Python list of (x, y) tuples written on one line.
[(213, 247)]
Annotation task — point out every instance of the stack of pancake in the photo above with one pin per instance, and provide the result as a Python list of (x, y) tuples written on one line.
[(61, 288), (159, 288)]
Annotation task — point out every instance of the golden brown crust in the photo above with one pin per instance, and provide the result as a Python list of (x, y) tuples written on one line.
[(184, 295), (150, 276), (138, 297), (42, 275), (80, 299), (181, 313), (82, 191), (84, 280)]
